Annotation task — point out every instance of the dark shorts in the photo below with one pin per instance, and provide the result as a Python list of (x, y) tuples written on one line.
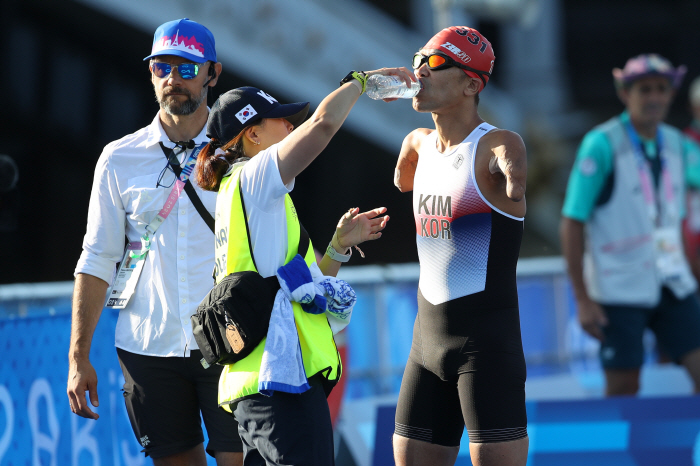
[(675, 323), (287, 429), (489, 400), (164, 398)]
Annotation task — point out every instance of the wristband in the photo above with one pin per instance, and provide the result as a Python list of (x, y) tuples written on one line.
[(335, 255), (360, 76)]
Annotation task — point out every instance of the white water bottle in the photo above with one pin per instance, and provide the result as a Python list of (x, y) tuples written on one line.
[(380, 87)]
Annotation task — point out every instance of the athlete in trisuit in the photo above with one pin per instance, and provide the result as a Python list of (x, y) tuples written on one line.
[(466, 364)]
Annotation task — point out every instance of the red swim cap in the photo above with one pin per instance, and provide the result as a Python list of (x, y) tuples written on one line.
[(467, 46)]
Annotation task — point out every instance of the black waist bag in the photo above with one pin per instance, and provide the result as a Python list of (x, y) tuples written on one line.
[(234, 316)]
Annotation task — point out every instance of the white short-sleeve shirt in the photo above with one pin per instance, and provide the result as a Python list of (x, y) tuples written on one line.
[(263, 193)]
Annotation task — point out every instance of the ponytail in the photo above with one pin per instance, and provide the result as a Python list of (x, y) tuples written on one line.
[(212, 166)]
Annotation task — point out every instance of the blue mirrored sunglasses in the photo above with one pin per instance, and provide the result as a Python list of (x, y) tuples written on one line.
[(186, 70)]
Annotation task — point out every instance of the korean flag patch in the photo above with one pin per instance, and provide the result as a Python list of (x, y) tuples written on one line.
[(246, 114)]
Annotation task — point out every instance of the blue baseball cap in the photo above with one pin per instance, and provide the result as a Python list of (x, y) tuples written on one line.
[(184, 38)]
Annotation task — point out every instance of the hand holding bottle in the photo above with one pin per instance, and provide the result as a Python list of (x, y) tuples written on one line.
[(380, 87), (389, 84)]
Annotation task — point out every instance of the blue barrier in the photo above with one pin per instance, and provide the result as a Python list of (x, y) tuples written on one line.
[(37, 427), (623, 431), (36, 424)]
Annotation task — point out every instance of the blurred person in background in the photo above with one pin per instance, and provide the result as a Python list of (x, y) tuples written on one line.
[(468, 178), (166, 388), (257, 149), (691, 223), (693, 129), (621, 229)]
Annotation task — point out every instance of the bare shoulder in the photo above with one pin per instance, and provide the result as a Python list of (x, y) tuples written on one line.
[(508, 140), (407, 161), (422, 132), (415, 138), (503, 162)]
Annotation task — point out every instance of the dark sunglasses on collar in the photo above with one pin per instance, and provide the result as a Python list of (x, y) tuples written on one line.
[(167, 175), (438, 61), (186, 70)]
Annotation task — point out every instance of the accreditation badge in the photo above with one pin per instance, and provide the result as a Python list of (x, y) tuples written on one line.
[(127, 276), (669, 253)]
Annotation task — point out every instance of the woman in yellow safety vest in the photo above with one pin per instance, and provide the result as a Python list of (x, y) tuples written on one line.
[(257, 148)]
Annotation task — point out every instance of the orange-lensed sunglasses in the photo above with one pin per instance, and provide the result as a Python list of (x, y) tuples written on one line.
[(438, 61)]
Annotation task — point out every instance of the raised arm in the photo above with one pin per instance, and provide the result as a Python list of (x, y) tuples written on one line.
[(307, 141), (510, 158), (408, 159), (353, 228)]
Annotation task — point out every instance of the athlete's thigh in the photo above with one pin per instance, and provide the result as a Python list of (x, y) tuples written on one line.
[(492, 397), (428, 408)]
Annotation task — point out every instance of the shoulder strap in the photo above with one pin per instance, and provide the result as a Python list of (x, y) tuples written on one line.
[(302, 247), (303, 241), (189, 189)]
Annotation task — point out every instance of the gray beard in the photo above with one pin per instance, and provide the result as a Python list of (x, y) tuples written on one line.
[(188, 107)]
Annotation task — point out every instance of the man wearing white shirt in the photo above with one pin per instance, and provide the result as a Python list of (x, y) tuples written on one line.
[(170, 254)]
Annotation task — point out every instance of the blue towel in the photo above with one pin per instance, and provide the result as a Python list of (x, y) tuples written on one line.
[(295, 278), (282, 367)]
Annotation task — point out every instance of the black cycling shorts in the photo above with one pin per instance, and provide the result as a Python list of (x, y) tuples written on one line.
[(164, 398), (466, 367), (489, 399)]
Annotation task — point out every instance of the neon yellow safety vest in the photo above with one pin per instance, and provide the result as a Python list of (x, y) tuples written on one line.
[(319, 353)]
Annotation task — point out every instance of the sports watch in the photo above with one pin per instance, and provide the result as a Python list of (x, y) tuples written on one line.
[(361, 76), (335, 255)]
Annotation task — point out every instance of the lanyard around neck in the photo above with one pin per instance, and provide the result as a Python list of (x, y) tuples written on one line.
[(652, 197), (178, 187)]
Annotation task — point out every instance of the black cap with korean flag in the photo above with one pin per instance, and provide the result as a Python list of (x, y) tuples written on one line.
[(239, 108)]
